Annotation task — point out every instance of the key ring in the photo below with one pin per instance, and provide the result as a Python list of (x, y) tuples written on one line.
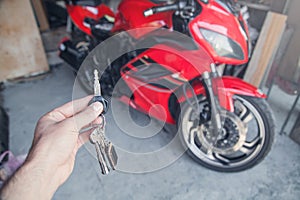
[(103, 123)]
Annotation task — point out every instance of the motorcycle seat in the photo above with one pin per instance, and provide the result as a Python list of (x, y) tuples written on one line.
[(92, 3)]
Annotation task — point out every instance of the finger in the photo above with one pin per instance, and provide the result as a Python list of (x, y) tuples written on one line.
[(93, 124), (84, 117), (84, 137), (97, 121), (68, 110), (85, 132)]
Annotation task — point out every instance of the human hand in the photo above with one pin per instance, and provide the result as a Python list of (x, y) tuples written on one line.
[(55, 144)]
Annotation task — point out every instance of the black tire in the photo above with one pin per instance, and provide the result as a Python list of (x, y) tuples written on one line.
[(214, 158)]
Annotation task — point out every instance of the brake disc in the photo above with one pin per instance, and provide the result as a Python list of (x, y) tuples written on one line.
[(231, 138)]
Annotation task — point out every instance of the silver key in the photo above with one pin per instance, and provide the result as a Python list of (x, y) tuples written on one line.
[(97, 139), (112, 155), (106, 152), (97, 87)]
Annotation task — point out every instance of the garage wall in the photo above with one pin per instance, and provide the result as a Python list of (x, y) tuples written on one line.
[(289, 68)]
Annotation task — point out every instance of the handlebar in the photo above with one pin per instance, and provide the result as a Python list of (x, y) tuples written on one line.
[(178, 5), (158, 9)]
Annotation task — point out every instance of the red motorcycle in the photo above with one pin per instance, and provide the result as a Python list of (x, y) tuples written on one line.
[(225, 123)]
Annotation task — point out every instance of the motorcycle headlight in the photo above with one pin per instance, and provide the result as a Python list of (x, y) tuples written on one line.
[(223, 45)]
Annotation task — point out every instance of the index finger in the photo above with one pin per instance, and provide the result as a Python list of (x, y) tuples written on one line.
[(68, 110)]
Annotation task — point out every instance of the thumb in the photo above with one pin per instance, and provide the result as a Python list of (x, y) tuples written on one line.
[(86, 116)]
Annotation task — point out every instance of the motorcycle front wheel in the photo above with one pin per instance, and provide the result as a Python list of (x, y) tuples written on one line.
[(246, 138)]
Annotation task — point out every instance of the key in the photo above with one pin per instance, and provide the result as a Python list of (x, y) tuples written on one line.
[(97, 93), (98, 142), (111, 155), (105, 150)]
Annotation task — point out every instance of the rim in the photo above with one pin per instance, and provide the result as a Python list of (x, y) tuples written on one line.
[(247, 147)]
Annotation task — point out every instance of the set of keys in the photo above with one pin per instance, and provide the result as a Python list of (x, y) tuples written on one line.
[(106, 153)]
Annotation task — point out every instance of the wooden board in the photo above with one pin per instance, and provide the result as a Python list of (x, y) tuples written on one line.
[(282, 48), (40, 14), (265, 48), (21, 49)]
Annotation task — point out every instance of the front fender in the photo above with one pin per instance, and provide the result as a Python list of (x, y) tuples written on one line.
[(227, 87), (234, 86)]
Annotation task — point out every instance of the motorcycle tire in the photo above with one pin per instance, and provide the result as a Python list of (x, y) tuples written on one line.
[(232, 153)]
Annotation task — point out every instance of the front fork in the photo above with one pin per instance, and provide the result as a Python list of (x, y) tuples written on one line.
[(215, 108)]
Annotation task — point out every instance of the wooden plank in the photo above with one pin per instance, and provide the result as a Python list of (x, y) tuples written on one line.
[(21, 49), (265, 48), (40, 14), (282, 48)]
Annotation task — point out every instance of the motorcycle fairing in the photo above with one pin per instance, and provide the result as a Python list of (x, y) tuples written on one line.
[(126, 19), (164, 36), (149, 71), (152, 88), (79, 13), (155, 74), (212, 18)]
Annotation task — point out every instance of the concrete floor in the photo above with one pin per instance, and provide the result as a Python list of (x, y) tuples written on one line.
[(277, 177)]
